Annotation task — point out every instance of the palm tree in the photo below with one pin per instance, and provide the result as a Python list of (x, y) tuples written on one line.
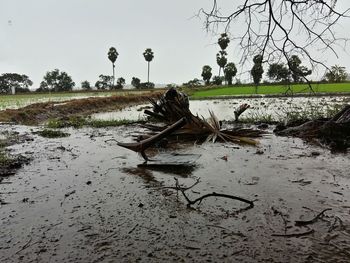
[(221, 59), (223, 41), (112, 56), (148, 54)]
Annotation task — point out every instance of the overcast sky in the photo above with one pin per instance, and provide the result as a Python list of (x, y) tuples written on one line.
[(75, 35)]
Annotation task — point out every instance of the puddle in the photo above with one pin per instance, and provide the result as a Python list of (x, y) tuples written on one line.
[(84, 199), (274, 108)]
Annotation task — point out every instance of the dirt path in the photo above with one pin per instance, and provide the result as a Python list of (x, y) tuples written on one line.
[(83, 199)]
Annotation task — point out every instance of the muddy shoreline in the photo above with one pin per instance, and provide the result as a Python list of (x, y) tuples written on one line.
[(84, 199)]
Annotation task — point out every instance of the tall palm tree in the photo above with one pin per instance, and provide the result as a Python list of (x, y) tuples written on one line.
[(112, 56), (221, 59), (148, 54)]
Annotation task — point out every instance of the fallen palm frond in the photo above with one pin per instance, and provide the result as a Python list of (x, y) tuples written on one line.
[(174, 105), (173, 109)]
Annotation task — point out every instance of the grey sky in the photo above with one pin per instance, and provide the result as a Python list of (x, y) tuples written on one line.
[(75, 35)]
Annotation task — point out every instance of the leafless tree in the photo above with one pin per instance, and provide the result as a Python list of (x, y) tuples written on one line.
[(278, 29)]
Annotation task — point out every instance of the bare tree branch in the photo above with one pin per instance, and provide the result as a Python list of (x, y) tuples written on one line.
[(278, 29)]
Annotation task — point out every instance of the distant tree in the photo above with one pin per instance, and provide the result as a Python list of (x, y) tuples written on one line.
[(136, 82), (20, 83), (120, 83), (336, 74), (257, 71), (192, 83), (148, 55), (230, 71), (171, 85), (223, 41), (56, 81), (206, 74), (297, 71), (217, 80), (279, 72), (221, 59), (104, 82), (147, 85), (112, 56), (85, 85)]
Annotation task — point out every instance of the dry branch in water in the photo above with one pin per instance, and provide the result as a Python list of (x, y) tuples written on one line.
[(200, 199), (309, 222), (277, 29)]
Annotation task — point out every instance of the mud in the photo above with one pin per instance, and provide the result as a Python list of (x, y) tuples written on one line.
[(84, 199)]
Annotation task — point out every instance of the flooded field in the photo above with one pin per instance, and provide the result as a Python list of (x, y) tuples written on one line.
[(22, 100), (84, 199), (261, 108)]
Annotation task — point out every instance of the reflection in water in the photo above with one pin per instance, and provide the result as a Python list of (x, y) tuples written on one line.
[(179, 170), (141, 172)]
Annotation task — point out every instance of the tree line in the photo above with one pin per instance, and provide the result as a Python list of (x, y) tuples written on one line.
[(291, 72), (57, 81)]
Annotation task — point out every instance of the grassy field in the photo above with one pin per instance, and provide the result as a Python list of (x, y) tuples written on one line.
[(271, 89)]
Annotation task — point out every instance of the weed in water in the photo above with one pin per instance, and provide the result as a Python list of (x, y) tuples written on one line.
[(108, 123), (4, 158), (48, 133)]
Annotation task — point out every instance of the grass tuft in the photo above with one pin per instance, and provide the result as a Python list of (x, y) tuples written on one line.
[(48, 133)]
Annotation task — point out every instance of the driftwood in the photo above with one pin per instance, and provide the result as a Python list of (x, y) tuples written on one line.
[(141, 146), (334, 131)]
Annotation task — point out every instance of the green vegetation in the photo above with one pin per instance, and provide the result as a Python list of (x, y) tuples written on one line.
[(56, 80), (15, 82), (4, 158), (336, 74), (310, 111), (271, 89), (48, 133), (79, 122)]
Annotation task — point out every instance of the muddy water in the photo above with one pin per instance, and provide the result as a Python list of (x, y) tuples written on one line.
[(274, 108), (83, 199)]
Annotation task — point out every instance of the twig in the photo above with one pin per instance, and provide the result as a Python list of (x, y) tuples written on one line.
[(200, 199), (277, 212), (26, 245), (132, 230), (308, 222), (67, 195), (295, 234)]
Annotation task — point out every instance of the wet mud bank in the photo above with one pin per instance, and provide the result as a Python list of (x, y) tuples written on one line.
[(84, 199), (38, 113)]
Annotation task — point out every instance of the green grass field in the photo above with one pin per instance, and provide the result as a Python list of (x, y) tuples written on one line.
[(271, 89)]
